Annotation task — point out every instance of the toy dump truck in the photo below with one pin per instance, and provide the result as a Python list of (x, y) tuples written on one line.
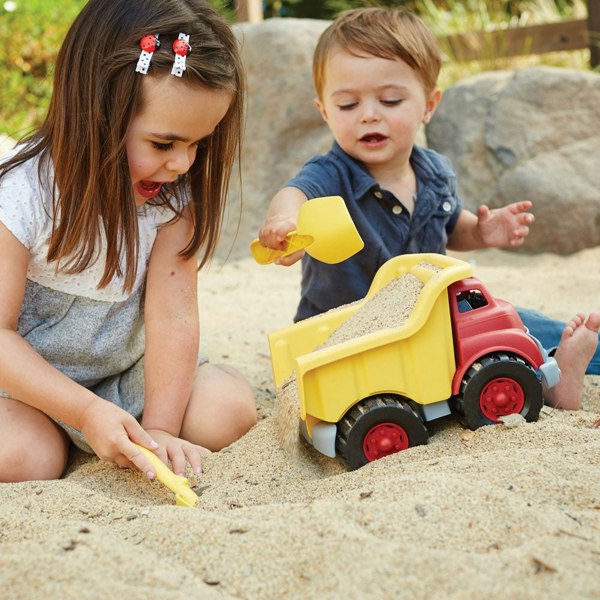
[(459, 351)]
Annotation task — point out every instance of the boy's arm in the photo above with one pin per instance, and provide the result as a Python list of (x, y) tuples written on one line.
[(504, 227), (282, 216)]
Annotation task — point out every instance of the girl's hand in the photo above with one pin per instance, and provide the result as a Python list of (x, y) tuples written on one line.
[(504, 227), (176, 451), (110, 431)]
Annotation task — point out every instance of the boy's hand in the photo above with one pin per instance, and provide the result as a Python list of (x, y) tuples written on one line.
[(504, 227), (273, 235), (282, 218)]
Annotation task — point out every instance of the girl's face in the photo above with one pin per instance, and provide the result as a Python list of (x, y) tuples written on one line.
[(374, 108), (163, 137)]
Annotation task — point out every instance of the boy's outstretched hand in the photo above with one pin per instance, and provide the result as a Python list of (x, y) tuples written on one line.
[(273, 235), (282, 217), (504, 227)]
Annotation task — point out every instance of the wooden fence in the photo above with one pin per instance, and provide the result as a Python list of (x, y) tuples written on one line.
[(535, 39), (517, 41)]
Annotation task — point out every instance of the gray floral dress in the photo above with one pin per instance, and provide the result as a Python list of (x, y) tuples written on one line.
[(94, 336)]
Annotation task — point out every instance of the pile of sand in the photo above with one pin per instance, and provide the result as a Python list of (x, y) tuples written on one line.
[(502, 512)]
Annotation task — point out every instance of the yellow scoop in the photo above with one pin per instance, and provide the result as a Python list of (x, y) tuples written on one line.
[(180, 486), (324, 229)]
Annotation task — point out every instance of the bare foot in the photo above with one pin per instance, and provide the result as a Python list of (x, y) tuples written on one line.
[(577, 346)]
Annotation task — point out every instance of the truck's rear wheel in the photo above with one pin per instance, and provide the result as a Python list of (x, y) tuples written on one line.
[(377, 427), (498, 385)]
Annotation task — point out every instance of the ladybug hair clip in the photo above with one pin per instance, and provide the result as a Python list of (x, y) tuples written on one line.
[(149, 43), (181, 47)]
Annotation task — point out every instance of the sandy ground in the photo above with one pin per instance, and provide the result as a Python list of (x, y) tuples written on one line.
[(498, 513)]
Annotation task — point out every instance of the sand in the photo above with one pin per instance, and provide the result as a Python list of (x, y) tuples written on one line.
[(503, 512)]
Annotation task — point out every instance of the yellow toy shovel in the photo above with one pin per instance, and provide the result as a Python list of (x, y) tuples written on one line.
[(180, 486), (324, 229)]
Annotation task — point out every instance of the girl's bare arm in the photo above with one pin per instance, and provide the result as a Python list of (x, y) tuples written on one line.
[(27, 377), (172, 329)]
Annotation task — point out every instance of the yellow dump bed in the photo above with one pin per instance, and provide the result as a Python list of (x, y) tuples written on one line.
[(415, 359)]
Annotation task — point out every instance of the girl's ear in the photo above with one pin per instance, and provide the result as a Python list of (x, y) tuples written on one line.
[(321, 108), (431, 105)]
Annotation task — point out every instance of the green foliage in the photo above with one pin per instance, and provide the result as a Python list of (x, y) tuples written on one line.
[(322, 9), (31, 36), (458, 16), (225, 7)]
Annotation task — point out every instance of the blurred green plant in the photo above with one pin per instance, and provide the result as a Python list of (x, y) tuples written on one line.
[(32, 32), (322, 9), (459, 16)]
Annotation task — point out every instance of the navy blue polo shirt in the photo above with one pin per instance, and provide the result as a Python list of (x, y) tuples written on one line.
[(384, 224)]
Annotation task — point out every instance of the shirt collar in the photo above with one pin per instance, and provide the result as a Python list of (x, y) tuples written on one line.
[(430, 170), (362, 180)]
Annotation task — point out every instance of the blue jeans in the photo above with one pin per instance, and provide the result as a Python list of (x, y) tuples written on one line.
[(548, 332)]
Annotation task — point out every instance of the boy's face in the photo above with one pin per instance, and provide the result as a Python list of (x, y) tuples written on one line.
[(374, 107), (163, 137)]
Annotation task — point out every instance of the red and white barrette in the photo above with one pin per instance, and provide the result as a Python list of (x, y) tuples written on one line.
[(149, 43), (181, 47)]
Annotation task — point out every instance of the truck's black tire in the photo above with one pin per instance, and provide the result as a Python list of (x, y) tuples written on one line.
[(376, 427), (496, 385)]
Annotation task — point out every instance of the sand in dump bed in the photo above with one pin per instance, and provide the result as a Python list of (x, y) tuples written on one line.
[(390, 307), (502, 512)]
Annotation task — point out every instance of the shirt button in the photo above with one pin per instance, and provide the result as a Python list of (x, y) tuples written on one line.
[(396, 209), (378, 195), (447, 206)]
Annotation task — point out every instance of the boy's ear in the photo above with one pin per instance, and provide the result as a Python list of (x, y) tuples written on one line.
[(431, 105), (321, 108)]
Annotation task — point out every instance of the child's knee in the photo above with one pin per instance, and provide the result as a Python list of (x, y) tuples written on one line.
[(33, 455), (33, 460), (239, 398), (247, 416), (241, 408), (222, 408)]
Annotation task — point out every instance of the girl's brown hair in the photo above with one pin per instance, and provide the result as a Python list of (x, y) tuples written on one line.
[(390, 33), (96, 94)]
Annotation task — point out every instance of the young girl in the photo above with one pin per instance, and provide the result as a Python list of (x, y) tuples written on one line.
[(103, 212)]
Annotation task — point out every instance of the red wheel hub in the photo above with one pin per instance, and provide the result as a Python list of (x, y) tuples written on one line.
[(384, 439), (501, 396)]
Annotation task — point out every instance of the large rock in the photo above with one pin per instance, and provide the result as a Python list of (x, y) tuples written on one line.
[(283, 126), (529, 134)]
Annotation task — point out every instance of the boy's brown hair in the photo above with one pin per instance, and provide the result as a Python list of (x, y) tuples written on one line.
[(383, 32)]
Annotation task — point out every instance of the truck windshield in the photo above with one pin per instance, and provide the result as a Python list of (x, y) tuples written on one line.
[(470, 300)]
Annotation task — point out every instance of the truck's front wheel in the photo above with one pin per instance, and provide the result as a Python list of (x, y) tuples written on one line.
[(377, 427), (499, 385)]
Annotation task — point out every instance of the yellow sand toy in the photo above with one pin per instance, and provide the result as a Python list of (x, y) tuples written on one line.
[(180, 486), (324, 229), (459, 351)]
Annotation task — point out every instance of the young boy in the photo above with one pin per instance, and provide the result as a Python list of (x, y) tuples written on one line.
[(375, 72)]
